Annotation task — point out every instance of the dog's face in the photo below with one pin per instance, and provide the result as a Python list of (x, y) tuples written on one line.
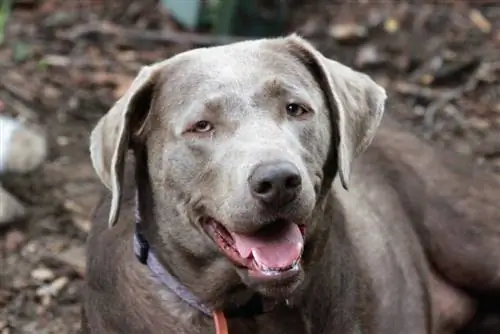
[(238, 140)]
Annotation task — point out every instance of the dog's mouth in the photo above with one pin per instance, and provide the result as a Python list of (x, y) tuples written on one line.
[(272, 252)]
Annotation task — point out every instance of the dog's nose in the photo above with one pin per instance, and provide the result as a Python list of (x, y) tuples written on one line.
[(276, 183)]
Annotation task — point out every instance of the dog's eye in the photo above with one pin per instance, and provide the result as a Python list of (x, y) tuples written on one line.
[(295, 110), (202, 127)]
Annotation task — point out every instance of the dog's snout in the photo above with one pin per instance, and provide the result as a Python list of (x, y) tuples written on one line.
[(276, 183)]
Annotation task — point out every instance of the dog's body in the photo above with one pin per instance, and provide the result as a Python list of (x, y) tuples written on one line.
[(362, 267)]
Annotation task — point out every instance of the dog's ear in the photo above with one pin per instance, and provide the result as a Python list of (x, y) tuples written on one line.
[(110, 139), (355, 102)]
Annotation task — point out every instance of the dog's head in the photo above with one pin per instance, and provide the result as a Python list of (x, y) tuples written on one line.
[(240, 142)]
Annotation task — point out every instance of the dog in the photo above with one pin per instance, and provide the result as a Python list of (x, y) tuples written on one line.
[(243, 198)]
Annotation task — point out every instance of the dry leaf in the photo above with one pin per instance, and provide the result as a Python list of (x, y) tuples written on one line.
[(348, 31), (391, 25), (480, 21), (426, 79)]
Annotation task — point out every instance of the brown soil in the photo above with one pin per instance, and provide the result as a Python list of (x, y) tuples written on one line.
[(63, 64)]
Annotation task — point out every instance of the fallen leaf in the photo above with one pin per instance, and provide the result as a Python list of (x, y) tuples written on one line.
[(479, 123), (82, 224), (42, 274), (348, 31), (13, 240), (480, 21), (426, 79), (56, 60), (391, 25), (54, 288)]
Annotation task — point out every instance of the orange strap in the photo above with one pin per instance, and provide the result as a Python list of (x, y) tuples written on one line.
[(220, 322)]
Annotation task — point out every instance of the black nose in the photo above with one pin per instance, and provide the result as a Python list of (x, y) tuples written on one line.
[(276, 183)]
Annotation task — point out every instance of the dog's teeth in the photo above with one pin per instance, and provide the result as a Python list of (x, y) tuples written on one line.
[(268, 271), (276, 271), (264, 268)]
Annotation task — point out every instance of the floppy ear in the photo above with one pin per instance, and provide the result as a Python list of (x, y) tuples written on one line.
[(355, 102), (109, 141)]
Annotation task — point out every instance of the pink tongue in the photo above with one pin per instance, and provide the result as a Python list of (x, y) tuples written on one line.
[(274, 247)]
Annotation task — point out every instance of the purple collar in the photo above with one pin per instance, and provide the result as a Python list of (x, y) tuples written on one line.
[(147, 256)]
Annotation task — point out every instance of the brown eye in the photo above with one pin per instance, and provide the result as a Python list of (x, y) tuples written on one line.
[(202, 127), (295, 110)]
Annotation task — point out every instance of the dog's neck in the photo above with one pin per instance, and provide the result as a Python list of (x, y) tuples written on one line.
[(161, 274), (255, 306)]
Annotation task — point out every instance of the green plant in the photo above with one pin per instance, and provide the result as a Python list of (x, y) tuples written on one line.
[(4, 16)]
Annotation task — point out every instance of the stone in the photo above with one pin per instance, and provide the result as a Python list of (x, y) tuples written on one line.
[(42, 274), (346, 32), (54, 288), (10, 208), (21, 148)]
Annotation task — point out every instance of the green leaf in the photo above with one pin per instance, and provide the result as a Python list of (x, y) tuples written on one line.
[(5, 6), (42, 65)]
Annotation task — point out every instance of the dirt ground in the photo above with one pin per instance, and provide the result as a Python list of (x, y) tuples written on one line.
[(63, 63)]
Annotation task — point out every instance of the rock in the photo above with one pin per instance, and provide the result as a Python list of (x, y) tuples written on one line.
[(348, 32), (10, 208), (54, 288), (21, 149), (42, 274)]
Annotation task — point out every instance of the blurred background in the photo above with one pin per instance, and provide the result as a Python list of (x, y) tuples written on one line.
[(64, 62)]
